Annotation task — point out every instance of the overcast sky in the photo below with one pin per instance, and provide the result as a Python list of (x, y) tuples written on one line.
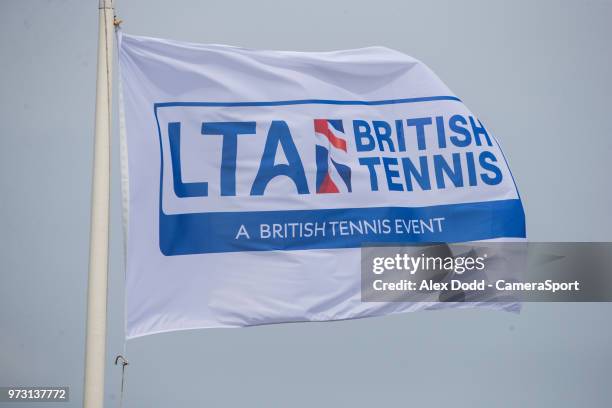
[(536, 72)]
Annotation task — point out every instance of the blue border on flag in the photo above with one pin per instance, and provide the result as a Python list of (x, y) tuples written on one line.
[(184, 234)]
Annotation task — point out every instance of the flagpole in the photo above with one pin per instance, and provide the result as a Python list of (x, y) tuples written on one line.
[(95, 343)]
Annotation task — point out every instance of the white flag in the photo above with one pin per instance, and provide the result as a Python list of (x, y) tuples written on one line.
[(256, 176)]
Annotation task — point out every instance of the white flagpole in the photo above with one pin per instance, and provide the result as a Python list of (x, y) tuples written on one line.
[(95, 347)]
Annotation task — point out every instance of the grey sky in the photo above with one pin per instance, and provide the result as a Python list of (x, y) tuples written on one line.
[(537, 73)]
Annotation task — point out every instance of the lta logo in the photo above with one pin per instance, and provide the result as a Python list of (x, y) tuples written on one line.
[(331, 150)]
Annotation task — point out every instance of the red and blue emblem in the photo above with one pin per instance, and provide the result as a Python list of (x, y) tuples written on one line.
[(332, 175)]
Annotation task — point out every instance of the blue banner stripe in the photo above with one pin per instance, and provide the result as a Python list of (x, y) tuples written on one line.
[(199, 233)]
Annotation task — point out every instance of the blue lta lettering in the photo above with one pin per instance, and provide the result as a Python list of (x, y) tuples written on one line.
[(278, 136)]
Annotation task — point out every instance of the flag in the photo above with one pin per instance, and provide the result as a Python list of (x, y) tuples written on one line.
[(253, 178), (331, 133)]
